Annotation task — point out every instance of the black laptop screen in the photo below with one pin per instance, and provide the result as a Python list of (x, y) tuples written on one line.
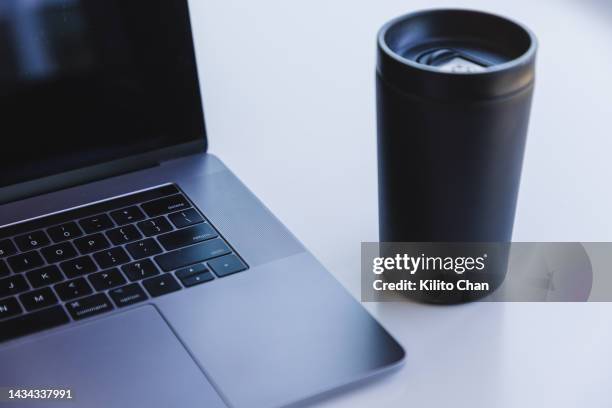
[(84, 82)]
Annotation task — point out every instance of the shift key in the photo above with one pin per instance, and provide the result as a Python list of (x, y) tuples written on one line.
[(192, 254)]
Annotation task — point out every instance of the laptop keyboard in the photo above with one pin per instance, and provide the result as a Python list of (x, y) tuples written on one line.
[(91, 260)]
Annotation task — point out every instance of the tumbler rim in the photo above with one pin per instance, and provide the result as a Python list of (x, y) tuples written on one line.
[(492, 81)]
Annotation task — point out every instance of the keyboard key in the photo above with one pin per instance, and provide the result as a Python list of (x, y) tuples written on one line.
[(38, 299), (140, 270), (59, 252), (88, 210), (32, 323), (160, 285), (197, 279), (127, 215), (91, 243), (143, 249), (226, 265), (185, 218), (45, 276), (111, 257), (13, 285), (155, 226), (79, 266), (33, 240), (166, 205), (191, 270), (25, 261), (9, 308), (73, 289), (187, 236), (89, 306), (107, 279), (96, 223), (64, 232), (192, 254), (128, 295), (7, 248), (123, 235), (4, 269)]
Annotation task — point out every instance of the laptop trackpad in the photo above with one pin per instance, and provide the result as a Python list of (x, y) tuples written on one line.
[(131, 359)]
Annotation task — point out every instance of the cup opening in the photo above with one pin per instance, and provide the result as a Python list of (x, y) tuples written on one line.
[(463, 41)]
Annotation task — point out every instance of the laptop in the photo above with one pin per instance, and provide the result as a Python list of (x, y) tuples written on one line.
[(135, 269)]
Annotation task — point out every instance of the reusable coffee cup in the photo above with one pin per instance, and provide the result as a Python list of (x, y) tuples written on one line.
[(454, 90)]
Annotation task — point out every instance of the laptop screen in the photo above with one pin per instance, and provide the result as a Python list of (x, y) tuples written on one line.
[(84, 82)]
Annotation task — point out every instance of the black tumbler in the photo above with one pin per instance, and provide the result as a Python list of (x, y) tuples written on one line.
[(454, 90)]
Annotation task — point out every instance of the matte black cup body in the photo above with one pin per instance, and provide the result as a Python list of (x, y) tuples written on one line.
[(454, 90)]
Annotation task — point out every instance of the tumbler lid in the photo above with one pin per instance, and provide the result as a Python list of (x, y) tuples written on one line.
[(456, 54)]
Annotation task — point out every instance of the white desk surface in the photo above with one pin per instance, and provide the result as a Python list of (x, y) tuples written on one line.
[(289, 100)]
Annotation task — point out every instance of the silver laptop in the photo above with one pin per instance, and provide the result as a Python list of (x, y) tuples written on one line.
[(135, 269)]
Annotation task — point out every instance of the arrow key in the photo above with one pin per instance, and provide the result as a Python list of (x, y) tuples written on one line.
[(197, 279)]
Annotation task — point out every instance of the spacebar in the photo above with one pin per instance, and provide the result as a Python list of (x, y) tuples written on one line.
[(33, 322), (192, 254)]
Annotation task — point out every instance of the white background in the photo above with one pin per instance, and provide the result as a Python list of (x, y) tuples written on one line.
[(288, 89)]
